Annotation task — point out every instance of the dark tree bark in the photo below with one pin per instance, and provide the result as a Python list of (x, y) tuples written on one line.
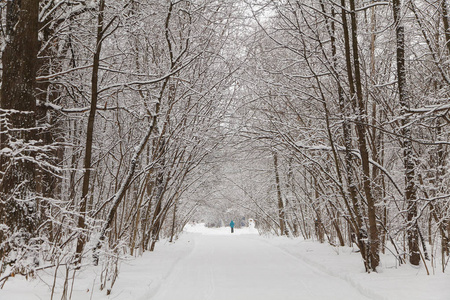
[(174, 215), (49, 62), (354, 210), (410, 185), (361, 122), (157, 215), (18, 120), (355, 84), (281, 214), (445, 19), (90, 130)]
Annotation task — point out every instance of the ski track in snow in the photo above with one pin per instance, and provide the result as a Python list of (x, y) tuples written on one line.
[(370, 294), (154, 286), (244, 267)]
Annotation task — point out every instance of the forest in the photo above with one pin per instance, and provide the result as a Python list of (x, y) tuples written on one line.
[(121, 121)]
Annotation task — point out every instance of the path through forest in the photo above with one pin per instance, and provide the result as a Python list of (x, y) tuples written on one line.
[(245, 267), (213, 264)]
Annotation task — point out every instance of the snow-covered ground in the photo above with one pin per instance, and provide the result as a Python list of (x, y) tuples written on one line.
[(213, 264)]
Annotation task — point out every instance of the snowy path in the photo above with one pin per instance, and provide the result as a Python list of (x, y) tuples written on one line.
[(212, 264), (245, 267)]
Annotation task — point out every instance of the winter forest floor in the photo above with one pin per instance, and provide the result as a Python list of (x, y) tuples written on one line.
[(213, 264)]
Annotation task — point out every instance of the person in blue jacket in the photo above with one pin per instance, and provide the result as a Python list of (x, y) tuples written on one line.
[(232, 226)]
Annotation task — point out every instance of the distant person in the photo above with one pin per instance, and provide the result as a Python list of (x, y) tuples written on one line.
[(232, 226)]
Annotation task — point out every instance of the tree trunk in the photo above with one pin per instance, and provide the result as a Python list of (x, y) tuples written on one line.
[(18, 203), (281, 213), (174, 223), (157, 215), (410, 185), (445, 19), (371, 257), (355, 212), (90, 131), (361, 122)]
